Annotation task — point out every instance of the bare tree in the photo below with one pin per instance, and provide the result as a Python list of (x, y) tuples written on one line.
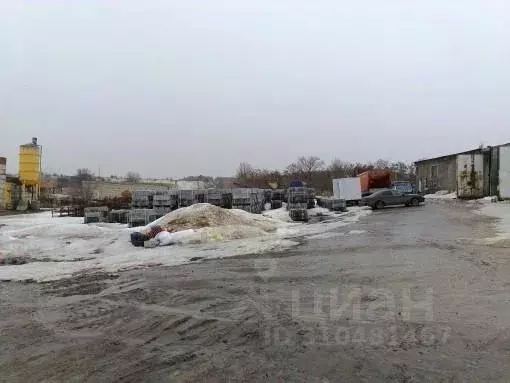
[(382, 164), (245, 172), (84, 174), (341, 169), (305, 167), (133, 177)]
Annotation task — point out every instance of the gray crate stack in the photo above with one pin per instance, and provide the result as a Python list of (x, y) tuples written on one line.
[(96, 214), (257, 201), (186, 198), (165, 202), (199, 196), (241, 199), (277, 197), (215, 197), (118, 216), (250, 200), (298, 201), (334, 204), (142, 199), (142, 217)]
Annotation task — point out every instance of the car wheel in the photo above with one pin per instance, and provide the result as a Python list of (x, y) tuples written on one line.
[(379, 204), (415, 202)]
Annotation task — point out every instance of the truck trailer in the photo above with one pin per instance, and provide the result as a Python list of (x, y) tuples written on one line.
[(374, 180), (347, 189)]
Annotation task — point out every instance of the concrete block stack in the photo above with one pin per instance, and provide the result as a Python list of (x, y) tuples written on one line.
[(199, 196), (165, 202), (277, 197), (118, 216), (95, 214), (186, 198), (141, 217), (142, 199), (250, 200), (298, 201)]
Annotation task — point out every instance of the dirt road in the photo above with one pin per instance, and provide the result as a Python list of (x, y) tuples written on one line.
[(404, 295)]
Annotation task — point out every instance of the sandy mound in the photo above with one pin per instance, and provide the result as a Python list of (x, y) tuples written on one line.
[(204, 215)]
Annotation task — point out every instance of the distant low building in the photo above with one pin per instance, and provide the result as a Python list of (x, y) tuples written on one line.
[(475, 173), (101, 189)]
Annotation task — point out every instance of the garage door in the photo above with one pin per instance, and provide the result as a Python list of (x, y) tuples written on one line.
[(504, 172), (470, 175)]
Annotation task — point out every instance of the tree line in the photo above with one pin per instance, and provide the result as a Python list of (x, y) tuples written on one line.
[(315, 173)]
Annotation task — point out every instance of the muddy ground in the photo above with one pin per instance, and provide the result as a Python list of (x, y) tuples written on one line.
[(408, 296)]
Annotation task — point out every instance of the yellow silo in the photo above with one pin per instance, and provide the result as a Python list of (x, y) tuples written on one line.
[(30, 169)]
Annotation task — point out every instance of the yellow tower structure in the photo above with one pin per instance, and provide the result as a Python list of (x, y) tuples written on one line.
[(30, 171)]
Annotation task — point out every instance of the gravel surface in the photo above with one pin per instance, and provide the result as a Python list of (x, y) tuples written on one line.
[(406, 294)]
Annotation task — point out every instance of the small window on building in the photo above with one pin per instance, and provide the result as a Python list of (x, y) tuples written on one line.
[(433, 171)]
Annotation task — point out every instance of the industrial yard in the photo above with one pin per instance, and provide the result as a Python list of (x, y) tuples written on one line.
[(235, 191), (329, 306)]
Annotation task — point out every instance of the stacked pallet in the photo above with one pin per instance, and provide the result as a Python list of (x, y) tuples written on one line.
[(141, 217), (165, 202), (298, 202), (250, 200), (118, 216), (142, 199), (95, 214)]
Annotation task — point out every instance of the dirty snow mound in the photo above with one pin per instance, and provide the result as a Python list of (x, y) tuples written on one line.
[(206, 215)]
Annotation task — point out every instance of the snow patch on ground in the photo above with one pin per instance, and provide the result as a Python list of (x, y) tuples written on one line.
[(501, 211), (281, 214), (441, 195), (62, 246), (320, 212)]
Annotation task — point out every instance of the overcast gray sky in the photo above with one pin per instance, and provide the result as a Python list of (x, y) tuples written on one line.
[(174, 88)]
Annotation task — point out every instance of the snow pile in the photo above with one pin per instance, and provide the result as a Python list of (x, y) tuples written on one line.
[(442, 195), (206, 215)]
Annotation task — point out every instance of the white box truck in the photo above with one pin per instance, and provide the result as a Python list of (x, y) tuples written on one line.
[(348, 189)]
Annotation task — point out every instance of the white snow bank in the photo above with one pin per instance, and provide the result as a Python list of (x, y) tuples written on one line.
[(333, 222), (60, 247), (442, 194), (502, 212), (484, 200), (281, 214), (320, 211)]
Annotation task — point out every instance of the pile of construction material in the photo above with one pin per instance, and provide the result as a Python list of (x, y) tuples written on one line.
[(201, 223), (149, 205)]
